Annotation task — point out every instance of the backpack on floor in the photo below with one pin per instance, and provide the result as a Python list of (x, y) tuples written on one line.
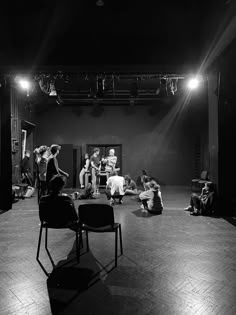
[(29, 192)]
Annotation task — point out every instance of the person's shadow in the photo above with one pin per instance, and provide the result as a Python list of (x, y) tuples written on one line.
[(140, 214), (69, 280)]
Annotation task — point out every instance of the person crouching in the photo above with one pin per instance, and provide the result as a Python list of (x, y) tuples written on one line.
[(115, 188)]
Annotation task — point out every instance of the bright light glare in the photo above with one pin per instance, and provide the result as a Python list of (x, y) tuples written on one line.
[(24, 84), (193, 83)]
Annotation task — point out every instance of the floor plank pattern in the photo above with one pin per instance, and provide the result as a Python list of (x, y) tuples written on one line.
[(173, 263)]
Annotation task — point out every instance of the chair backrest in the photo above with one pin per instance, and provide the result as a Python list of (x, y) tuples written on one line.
[(96, 215), (204, 175), (57, 211)]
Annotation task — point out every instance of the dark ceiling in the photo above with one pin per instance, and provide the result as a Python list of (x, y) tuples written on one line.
[(121, 32)]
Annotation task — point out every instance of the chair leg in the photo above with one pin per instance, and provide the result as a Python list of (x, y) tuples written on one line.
[(81, 243), (121, 245), (77, 246), (38, 249), (116, 247), (87, 241), (46, 247), (39, 242)]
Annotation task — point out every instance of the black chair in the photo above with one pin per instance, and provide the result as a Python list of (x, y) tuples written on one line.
[(198, 183), (57, 213), (99, 218)]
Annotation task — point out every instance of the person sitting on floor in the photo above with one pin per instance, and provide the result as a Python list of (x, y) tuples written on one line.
[(88, 192), (202, 204), (56, 198), (115, 187), (147, 180), (130, 186), (152, 199)]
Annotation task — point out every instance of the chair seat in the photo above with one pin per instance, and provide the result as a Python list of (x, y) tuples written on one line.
[(74, 225), (107, 228), (195, 180), (204, 181)]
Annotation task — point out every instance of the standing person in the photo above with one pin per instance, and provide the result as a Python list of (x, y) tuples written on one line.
[(26, 169), (95, 169), (42, 159), (110, 162), (85, 164), (115, 187), (52, 164), (152, 199)]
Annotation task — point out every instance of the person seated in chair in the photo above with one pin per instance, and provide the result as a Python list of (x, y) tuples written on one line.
[(203, 203), (152, 199), (115, 187), (55, 200), (130, 186)]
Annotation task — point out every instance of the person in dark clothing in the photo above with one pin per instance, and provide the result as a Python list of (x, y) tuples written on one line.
[(59, 207), (52, 164), (152, 199), (26, 169), (85, 168), (203, 203), (41, 161), (95, 169), (87, 192)]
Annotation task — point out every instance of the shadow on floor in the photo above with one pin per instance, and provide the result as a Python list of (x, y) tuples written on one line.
[(231, 220), (65, 284), (69, 280)]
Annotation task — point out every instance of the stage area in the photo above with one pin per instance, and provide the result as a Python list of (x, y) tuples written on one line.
[(173, 263)]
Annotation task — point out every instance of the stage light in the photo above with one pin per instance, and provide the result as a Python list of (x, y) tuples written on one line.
[(24, 84), (193, 83)]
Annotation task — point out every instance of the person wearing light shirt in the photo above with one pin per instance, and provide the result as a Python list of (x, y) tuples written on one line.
[(115, 187)]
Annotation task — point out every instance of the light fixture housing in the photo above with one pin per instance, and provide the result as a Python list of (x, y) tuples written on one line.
[(99, 3)]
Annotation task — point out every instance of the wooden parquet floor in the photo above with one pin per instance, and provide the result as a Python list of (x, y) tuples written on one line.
[(173, 263)]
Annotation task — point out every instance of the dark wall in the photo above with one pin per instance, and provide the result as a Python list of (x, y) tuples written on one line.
[(227, 130), (160, 140)]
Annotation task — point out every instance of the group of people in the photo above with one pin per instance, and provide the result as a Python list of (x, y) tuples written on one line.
[(150, 197), (117, 186), (95, 165), (47, 167)]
